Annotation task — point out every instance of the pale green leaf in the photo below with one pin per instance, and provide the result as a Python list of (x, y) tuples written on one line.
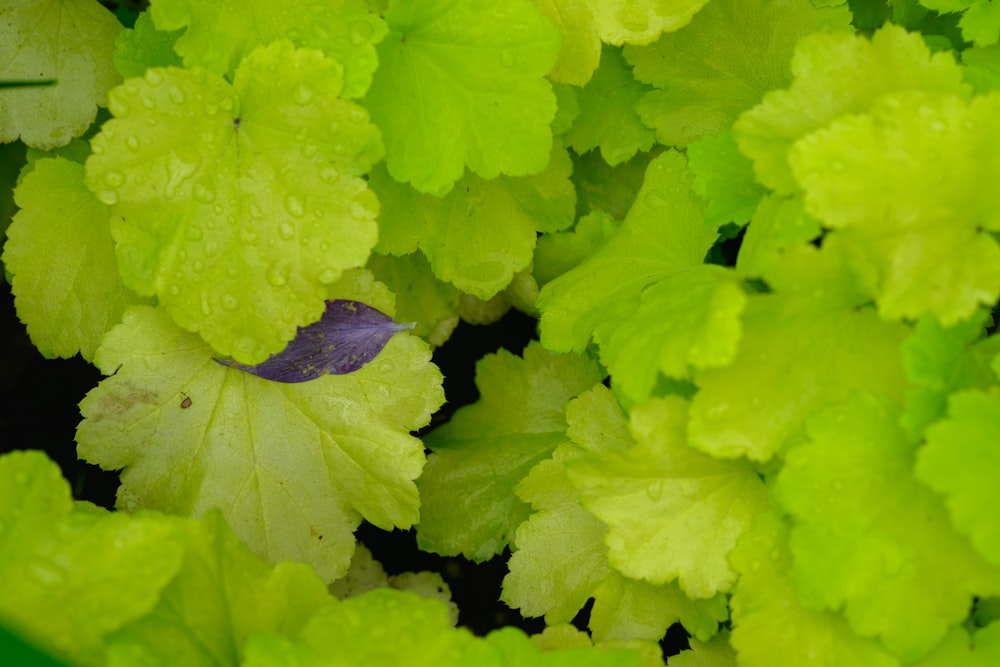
[(294, 467), (218, 35), (663, 234), (239, 232), (836, 74), (914, 234), (69, 41), (487, 448), (65, 279), (868, 538), (733, 52), (771, 626)]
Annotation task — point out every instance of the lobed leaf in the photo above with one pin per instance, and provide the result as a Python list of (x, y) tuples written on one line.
[(69, 41), (239, 232), (472, 74), (294, 467)]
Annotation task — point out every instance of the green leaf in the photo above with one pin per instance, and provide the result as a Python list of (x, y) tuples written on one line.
[(915, 239), (959, 649), (778, 224), (672, 512), (381, 627), (809, 344), (607, 117), (294, 467), (601, 187), (960, 461), (64, 573), (560, 530), (69, 41), (557, 253), (487, 448), (724, 178), (690, 319), (219, 35), (581, 41), (474, 88), (869, 538), (716, 653), (222, 595), (642, 21), (837, 74), (239, 232), (420, 296), (939, 361), (143, 46), (663, 234), (482, 232), (770, 624), (733, 52), (980, 23), (65, 280)]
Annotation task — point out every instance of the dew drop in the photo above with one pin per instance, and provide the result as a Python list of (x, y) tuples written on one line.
[(193, 233), (132, 143), (309, 150), (655, 490), (148, 102), (357, 114), (153, 77), (211, 109), (118, 107), (230, 302), (177, 95), (328, 275), (114, 178), (302, 94), (109, 197), (226, 104), (277, 273), (506, 58), (716, 412), (132, 89), (286, 231), (206, 305), (174, 290), (231, 272), (655, 199), (294, 206), (328, 175), (218, 209), (203, 194), (199, 265)]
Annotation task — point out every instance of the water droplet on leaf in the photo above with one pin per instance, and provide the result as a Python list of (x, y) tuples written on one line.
[(230, 302), (302, 95), (177, 95), (153, 77), (294, 206), (114, 178), (286, 231)]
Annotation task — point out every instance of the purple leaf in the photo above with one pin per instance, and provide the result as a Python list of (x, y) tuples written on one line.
[(348, 336)]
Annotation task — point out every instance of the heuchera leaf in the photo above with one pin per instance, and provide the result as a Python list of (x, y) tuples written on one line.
[(420, 296), (472, 74), (732, 53), (607, 117), (836, 74), (239, 232), (724, 178), (770, 624), (663, 234), (294, 467), (346, 337), (70, 41), (673, 513), (65, 279), (72, 578), (581, 41), (641, 21), (219, 34), (810, 343), (486, 449), (917, 239), (870, 539), (960, 461), (483, 232), (560, 530), (143, 46)]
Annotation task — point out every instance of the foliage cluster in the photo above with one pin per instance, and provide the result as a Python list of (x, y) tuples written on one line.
[(761, 241)]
